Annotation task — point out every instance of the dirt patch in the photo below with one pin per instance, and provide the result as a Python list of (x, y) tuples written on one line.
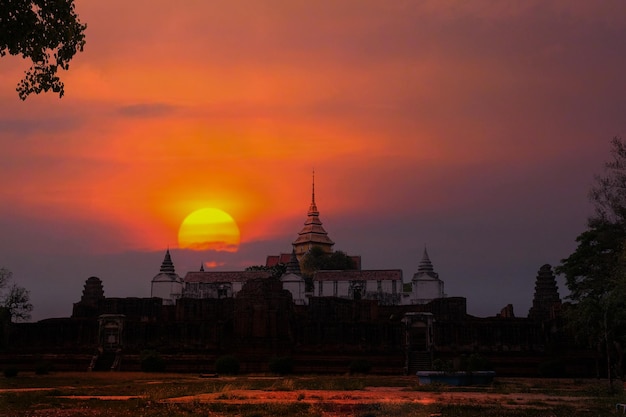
[(102, 397), (380, 395), (4, 390)]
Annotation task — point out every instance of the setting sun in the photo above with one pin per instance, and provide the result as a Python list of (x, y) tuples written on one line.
[(209, 229)]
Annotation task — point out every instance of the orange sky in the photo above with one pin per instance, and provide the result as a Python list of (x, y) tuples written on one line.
[(466, 126)]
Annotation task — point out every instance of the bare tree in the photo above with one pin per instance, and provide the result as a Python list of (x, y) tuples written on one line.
[(14, 298)]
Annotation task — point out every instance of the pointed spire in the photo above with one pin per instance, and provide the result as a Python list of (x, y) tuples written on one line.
[(313, 189), (313, 207), (425, 264), (293, 266), (167, 267), (313, 233), (202, 267)]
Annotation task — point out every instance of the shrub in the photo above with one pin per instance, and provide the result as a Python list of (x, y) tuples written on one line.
[(10, 372), (228, 365), (443, 365), (474, 362), (281, 365), (360, 366), (151, 361)]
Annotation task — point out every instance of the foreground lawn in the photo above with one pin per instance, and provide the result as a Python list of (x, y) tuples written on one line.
[(147, 394)]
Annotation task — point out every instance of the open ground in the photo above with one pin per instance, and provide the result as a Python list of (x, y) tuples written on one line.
[(145, 394)]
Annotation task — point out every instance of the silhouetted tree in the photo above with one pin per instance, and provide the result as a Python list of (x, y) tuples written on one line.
[(609, 193), (48, 33), (316, 259), (277, 270), (14, 298), (596, 272)]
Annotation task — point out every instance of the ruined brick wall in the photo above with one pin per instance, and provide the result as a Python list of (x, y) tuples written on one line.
[(262, 322), (264, 313), (53, 335)]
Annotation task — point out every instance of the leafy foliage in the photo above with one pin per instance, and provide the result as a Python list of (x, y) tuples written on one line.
[(443, 365), (277, 270), (316, 259), (591, 270), (14, 298), (609, 193), (474, 362), (48, 32), (596, 272)]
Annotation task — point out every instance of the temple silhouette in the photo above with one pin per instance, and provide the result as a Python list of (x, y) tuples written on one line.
[(322, 320)]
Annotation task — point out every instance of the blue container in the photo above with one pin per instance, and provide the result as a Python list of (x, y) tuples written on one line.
[(456, 378)]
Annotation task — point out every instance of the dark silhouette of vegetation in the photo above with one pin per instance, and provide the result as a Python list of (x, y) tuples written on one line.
[(46, 32), (443, 365), (14, 298), (596, 272), (10, 372), (277, 270), (474, 362), (228, 365), (316, 259)]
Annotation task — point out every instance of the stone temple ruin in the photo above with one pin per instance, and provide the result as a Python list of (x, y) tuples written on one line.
[(322, 325)]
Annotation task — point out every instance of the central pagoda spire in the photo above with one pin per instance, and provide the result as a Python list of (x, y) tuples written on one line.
[(313, 207), (313, 233)]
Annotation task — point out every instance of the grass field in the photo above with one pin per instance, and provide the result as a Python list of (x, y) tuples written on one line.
[(152, 395)]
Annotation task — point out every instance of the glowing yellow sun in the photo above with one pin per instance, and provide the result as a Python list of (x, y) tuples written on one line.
[(209, 229)]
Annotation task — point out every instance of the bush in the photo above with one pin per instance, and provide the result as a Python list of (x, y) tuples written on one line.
[(281, 365), (474, 362), (10, 372), (228, 365), (151, 361), (360, 366), (443, 365)]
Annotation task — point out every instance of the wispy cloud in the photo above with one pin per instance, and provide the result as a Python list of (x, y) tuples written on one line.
[(464, 124), (147, 110)]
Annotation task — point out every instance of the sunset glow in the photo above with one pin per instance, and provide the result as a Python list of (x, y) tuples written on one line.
[(209, 229), (474, 128)]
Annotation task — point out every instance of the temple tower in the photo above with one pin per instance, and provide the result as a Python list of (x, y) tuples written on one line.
[(167, 285), (313, 233), (426, 285), (546, 301), (93, 292), (293, 282), (89, 304)]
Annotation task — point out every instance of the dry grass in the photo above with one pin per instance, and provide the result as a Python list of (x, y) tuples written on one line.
[(155, 395)]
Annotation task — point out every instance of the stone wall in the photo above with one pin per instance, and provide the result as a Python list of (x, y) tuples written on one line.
[(263, 322)]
